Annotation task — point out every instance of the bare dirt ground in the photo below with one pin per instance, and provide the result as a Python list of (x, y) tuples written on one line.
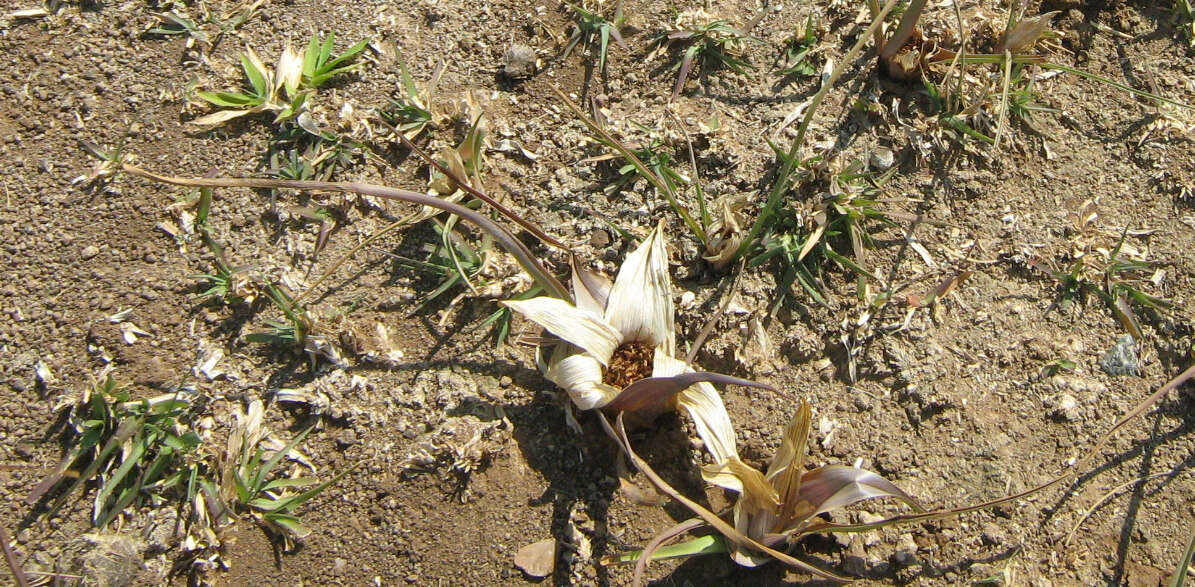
[(460, 448)]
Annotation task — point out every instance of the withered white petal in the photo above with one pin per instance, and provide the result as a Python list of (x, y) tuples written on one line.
[(568, 322), (713, 423), (640, 304), (581, 376), (590, 290), (289, 70), (705, 407)]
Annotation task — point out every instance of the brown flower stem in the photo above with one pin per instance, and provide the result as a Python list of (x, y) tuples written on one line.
[(14, 565), (464, 185), (504, 238)]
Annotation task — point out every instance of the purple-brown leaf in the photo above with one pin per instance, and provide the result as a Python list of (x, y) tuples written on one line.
[(654, 393), (836, 486)]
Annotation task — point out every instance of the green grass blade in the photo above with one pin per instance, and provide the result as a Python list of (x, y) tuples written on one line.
[(1115, 84), (290, 524), (348, 54), (311, 56), (1180, 574), (256, 78), (290, 503), (118, 476), (259, 477), (229, 99), (710, 544), (128, 427)]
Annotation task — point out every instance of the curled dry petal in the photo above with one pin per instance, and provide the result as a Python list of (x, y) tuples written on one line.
[(658, 393), (289, 71), (788, 466), (1023, 35), (705, 407), (590, 290), (784, 481), (640, 304), (570, 323), (836, 486), (756, 494), (581, 376)]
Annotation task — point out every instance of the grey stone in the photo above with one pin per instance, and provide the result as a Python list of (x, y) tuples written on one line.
[(1121, 359), (519, 62)]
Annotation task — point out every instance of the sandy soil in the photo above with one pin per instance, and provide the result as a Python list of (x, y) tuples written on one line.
[(461, 450)]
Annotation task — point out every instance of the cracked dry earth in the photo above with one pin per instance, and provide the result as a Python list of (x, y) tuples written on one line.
[(459, 450)]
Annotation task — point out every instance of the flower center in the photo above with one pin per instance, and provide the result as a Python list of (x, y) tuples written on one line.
[(630, 363)]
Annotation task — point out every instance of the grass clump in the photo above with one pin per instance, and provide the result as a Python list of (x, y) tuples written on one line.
[(413, 110), (135, 450), (284, 89), (707, 42), (590, 27), (251, 483), (798, 52), (207, 29), (835, 230)]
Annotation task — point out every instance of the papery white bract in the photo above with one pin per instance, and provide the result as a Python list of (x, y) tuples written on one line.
[(636, 308)]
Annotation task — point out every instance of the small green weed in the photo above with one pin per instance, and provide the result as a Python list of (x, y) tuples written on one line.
[(798, 56), (1117, 281), (1057, 366), (708, 43), (589, 26), (653, 153), (801, 238), (320, 66), (298, 153), (283, 90), (206, 30), (250, 483), (136, 449), (292, 329), (413, 110)]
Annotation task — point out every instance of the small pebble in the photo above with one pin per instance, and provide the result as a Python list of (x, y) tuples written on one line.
[(1066, 407), (519, 62), (599, 239), (1121, 359), (882, 158)]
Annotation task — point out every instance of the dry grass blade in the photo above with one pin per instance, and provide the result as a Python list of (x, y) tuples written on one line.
[(1128, 319), (709, 517), (640, 166), (1137, 411), (1110, 495), (1184, 564), (908, 23), (18, 574)]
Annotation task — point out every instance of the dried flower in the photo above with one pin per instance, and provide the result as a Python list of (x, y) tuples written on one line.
[(619, 344)]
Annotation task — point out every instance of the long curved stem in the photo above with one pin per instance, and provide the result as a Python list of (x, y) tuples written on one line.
[(512, 245)]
